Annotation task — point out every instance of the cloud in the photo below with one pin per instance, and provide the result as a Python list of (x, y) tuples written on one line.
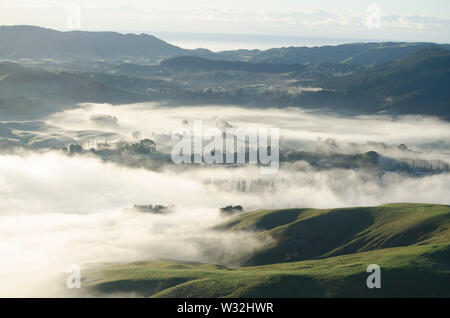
[(140, 19), (322, 19), (59, 210)]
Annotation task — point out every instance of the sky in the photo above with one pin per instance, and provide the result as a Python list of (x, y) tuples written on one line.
[(289, 20)]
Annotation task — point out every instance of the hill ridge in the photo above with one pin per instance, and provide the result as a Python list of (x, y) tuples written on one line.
[(421, 269)]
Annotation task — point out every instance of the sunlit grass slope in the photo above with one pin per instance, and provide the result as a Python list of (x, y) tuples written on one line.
[(315, 253), (301, 234)]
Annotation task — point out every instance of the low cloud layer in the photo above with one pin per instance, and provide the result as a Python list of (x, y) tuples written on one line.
[(428, 135), (57, 210)]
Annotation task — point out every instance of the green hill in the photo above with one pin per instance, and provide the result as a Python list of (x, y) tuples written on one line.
[(301, 234), (315, 253)]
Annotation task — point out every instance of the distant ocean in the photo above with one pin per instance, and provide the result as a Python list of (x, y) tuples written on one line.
[(221, 42)]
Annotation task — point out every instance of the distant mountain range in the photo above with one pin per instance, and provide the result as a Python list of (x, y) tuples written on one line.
[(370, 78), (20, 42), (416, 84), (356, 53)]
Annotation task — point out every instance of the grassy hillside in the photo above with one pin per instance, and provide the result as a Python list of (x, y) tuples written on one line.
[(302, 234), (421, 271), (409, 241)]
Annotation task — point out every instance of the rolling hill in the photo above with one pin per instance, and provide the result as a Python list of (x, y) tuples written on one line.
[(416, 84), (302, 234), (315, 253), (33, 42), (352, 53), (29, 93)]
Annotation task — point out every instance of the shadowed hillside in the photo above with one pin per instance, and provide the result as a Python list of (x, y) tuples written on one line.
[(302, 234), (413, 85)]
